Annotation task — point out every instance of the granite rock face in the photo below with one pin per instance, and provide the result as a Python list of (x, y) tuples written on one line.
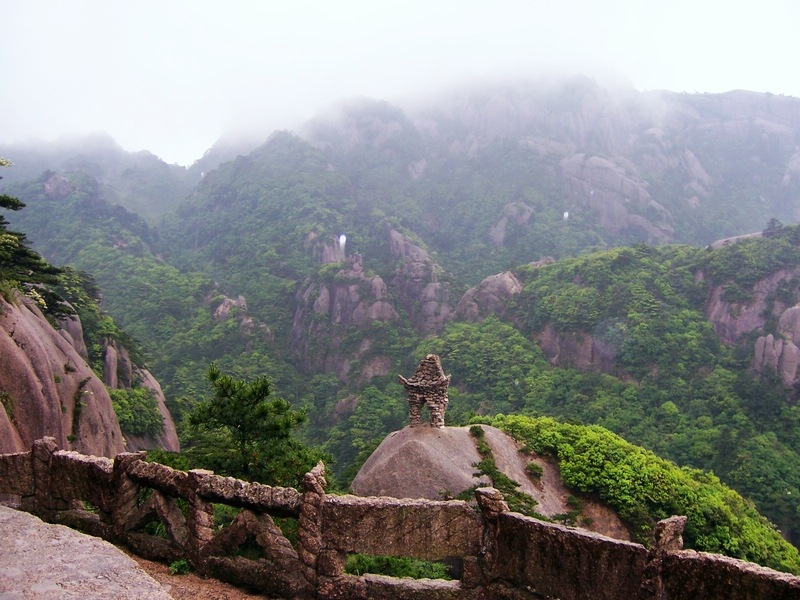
[(425, 298), (326, 309), (48, 388), (490, 297)]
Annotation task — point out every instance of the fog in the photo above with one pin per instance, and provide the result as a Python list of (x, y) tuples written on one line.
[(173, 76)]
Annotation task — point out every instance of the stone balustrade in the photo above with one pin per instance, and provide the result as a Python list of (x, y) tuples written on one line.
[(498, 554)]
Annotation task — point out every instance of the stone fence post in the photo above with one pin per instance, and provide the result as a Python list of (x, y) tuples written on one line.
[(309, 533), (200, 522), (42, 458), (492, 504), (127, 491)]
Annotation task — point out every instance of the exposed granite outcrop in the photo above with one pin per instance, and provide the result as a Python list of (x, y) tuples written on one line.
[(119, 372), (327, 309), (423, 462), (616, 195), (417, 287), (48, 388), (517, 213), (490, 297)]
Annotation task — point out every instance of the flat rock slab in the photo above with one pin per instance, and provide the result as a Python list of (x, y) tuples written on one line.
[(39, 560)]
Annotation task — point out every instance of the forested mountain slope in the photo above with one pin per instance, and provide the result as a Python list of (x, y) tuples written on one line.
[(449, 215)]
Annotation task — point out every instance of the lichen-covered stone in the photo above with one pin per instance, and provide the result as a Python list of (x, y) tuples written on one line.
[(426, 529)]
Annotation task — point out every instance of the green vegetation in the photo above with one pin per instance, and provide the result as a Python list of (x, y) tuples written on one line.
[(241, 432), (8, 404), (137, 411), (180, 567), (517, 500), (644, 488), (393, 566), (625, 325)]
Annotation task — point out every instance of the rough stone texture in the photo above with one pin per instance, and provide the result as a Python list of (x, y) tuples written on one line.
[(326, 311), (780, 355), (667, 537), (279, 574), (443, 466), (504, 555), (490, 297), (427, 387), (442, 461), (730, 321), (39, 560), (309, 532), (702, 576), (77, 475), (71, 329), (117, 366), (50, 389), (161, 477), (559, 562), (378, 587), (16, 471), (387, 526), (425, 299), (283, 501)]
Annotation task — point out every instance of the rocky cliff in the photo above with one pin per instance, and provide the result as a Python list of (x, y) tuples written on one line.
[(48, 389), (770, 313), (351, 297)]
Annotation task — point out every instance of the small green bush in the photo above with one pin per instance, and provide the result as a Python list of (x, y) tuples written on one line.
[(535, 470), (392, 566), (137, 411), (180, 567)]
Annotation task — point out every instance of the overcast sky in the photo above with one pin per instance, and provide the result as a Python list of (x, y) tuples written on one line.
[(171, 76)]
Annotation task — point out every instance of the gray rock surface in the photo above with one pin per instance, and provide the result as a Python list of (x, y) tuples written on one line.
[(39, 560)]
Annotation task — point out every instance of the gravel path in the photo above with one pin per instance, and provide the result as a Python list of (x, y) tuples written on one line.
[(39, 560)]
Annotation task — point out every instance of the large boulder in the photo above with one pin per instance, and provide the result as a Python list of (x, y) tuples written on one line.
[(435, 463)]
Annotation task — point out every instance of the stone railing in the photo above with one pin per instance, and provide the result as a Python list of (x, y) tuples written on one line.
[(498, 554)]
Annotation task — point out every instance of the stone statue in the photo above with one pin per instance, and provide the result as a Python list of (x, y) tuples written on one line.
[(428, 386)]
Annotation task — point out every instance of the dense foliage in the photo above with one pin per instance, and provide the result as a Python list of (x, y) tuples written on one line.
[(644, 488), (20, 266), (62, 293), (137, 411), (241, 432)]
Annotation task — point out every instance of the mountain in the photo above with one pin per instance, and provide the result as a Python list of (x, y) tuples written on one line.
[(529, 234), (138, 181)]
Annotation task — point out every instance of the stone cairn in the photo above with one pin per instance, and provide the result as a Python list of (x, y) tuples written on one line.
[(428, 387)]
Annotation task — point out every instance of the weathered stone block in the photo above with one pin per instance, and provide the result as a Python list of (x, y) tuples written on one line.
[(561, 562), (387, 526), (165, 479), (703, 576), (16, 474)]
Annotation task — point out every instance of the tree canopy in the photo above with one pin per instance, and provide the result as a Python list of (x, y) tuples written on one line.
[(242, 431)]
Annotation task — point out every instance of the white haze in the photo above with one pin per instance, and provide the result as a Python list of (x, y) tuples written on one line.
[(172, 76)]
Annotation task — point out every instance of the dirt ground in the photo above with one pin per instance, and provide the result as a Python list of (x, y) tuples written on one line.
[(190, 586)]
